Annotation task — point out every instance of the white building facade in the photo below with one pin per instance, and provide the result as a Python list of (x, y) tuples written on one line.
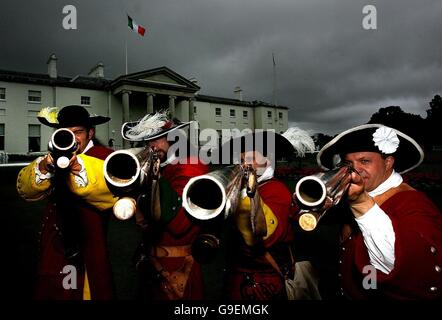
[(126, 98)]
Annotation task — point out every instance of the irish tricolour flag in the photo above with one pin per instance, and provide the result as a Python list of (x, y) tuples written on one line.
[(135, 27)]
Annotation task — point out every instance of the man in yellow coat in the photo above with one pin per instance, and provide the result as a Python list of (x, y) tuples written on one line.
[(74, 263)]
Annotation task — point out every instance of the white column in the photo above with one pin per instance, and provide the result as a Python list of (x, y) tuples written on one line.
[(126, 109), (150, 102), (172, 106), (185, 110), (191, 109), (126, 113)]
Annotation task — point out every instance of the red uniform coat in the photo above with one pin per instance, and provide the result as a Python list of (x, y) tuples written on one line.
[(49, 283), (251, 276), (180, 230), (417, 224)]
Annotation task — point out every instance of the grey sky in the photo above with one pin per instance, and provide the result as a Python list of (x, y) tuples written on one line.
[(331, 72)]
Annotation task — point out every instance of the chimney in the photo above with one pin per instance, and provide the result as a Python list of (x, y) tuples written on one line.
[(238, 93), (97, 71), (52, 66)]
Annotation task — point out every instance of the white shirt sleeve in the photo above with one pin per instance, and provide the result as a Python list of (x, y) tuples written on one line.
[(81, 178), (379, 238), (40, 177)]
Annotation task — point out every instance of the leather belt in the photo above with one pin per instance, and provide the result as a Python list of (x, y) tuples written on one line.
[(171, 251)]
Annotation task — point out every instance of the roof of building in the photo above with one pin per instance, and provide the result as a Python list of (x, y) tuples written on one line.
[(79, 81), (96, 83), (148, 78), (235, 102)]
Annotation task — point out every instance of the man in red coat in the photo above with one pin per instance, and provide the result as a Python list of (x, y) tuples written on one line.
[(86, 247), (169, 270), (394, 250), (261, 256)]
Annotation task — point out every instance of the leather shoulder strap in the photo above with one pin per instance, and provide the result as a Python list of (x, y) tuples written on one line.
[(380, 199)]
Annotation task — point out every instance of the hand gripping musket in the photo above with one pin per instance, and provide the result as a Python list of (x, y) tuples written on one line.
[(132, 174), (318, 193)]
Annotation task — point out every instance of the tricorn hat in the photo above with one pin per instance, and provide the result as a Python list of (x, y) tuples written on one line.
[(69, 116), (152, 126), (373, 138)]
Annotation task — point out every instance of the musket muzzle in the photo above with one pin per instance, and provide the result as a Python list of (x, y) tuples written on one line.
[(62, 146), (317, 193), (206, 196), (122, 169)]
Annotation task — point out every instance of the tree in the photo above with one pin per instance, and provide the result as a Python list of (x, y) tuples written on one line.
[(434, 120), (321, 140), (435, 111), (411, 124)]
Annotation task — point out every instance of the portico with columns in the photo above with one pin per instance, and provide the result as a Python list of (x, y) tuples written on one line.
[(153, 90)]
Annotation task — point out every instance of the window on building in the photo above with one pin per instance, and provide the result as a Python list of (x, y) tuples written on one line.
[(34, 96), (2, 136), (245, 114), (194, 109), (218, 112), (280, 115), (85, 101), (34, 138), (269, 114), (232, 112), (2, 94)]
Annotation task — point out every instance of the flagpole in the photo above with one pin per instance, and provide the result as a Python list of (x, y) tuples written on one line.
[(126, 53), (274, 80), (274, 89)]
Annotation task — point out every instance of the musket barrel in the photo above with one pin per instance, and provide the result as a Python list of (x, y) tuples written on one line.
[(122, 169), (317, 193), (311, 191), (207, 196), (62, 146), (63, 139)]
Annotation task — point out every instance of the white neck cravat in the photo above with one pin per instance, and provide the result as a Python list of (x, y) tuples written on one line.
[(393, 181), (169, 160), (267, 174), (89, 145)]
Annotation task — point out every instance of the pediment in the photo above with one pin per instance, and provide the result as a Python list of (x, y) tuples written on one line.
[(161, 76)]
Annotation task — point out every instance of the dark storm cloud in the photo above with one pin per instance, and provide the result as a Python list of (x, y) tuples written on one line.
[(331, 72)]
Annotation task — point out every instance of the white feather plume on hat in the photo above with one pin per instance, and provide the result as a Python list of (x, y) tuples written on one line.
[(148, 126), (300, 139)]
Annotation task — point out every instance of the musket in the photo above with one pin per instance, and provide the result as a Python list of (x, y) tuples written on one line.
[(132, 174), (216, 195), (316, 194), (62, 147), (218, 192)]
